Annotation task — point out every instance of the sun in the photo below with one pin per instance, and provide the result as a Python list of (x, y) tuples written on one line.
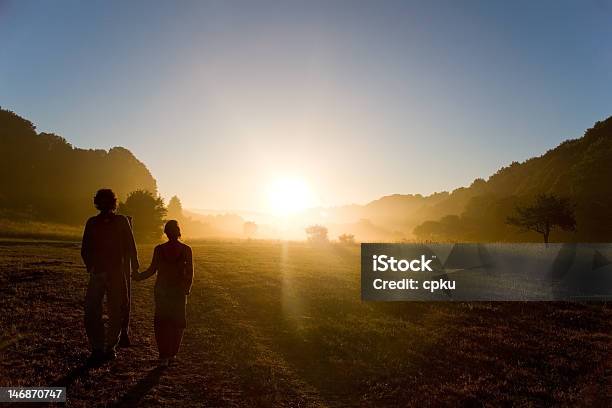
[(287, 196)]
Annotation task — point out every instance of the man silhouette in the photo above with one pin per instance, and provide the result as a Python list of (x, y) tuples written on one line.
[(108, 251)]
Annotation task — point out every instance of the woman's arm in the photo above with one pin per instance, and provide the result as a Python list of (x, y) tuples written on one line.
[(188, 271), (152, 268)]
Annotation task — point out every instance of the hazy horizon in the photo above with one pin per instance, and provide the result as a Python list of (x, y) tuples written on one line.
[(274, 107)]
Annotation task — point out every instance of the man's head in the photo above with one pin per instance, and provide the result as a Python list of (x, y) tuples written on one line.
[(105, 200)]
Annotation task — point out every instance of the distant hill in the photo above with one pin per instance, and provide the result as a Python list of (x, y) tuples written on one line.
[(45, 178), (580, 169)]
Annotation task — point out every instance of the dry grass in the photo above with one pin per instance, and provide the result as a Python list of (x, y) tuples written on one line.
[(38, 230), (274, 324)]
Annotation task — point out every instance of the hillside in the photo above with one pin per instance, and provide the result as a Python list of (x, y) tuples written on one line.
[(45, 178), (580, 169)]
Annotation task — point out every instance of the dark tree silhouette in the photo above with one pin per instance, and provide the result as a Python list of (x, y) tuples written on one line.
[(148, 213), (45, 178), (546, 213)]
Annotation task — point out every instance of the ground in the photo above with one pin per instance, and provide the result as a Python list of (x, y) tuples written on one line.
[(282, 324)]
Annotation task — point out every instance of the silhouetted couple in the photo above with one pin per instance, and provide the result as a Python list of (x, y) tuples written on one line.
[(109, 253)]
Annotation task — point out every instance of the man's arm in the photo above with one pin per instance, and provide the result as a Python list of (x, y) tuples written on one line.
[(87, 246), (132, 252), (188, 271)]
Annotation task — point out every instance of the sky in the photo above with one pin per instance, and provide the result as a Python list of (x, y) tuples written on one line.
[(352, 99)]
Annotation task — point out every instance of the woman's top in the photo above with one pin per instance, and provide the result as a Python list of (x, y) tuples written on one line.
[(174, 266)]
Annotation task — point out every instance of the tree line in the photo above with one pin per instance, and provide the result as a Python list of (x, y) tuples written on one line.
[(45, 178)]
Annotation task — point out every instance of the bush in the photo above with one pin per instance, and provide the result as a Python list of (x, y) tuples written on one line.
[(317, 233), (347, 239), (148, 214)]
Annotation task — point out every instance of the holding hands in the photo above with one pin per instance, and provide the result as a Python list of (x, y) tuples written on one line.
[(136, 276), (139, 276)]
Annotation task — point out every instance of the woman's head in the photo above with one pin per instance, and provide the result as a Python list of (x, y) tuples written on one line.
[(172, 229), (105, 200)]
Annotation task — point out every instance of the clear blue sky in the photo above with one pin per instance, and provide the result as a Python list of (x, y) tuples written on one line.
[(358, 98)]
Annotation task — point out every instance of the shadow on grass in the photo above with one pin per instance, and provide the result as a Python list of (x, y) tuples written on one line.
[(74, 374), (141, 388)]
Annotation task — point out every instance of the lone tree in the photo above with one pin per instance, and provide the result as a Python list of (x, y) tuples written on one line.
[(148, 212), (347, 239), (546, 213), (317, 234), (175, 209)]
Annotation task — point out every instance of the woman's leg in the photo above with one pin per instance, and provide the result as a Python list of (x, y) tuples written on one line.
[(163, 337), (158, 337)]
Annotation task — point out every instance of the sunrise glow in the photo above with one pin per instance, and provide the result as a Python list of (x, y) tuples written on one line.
[(287, 196)]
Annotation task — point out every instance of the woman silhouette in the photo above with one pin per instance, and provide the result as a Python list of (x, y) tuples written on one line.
[(174, 266)]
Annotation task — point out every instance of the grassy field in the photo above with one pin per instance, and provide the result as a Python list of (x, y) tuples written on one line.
[(275, 324)]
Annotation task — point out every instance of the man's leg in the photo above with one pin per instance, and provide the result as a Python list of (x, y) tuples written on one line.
[(124, 340), (94, 327), (116, 299)]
